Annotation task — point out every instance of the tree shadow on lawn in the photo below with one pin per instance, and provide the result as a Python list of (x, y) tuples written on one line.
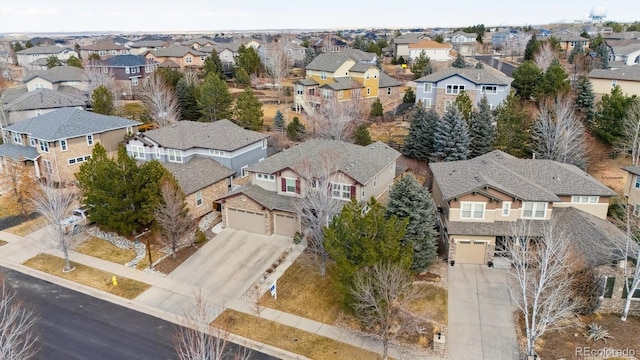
[(15, 220)]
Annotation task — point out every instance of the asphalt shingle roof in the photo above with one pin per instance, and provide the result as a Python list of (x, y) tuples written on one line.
[(343, 84), (269, 199), (332, 61), (218, 135), (476, 76), (526, 179), (125, 60), (625, 73), (148, 43), (18, 152), (58, 74), (69, 123), (387, 81), (408, 38), (361, 163), (103, 45), (198, 173), (45, 99), (12, 93), (43, 50), (635, 170), (177, 51)]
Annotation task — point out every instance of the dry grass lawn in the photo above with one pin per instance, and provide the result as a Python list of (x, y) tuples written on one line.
[(104, 250), (303, 292), (28, 226), (433, 303), (87, 275), (390, 131), (289, 338)]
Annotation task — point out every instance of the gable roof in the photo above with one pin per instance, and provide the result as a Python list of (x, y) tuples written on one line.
[(343, 83), (361, 163), (332, 61), (408, 38), (631, 73), (43, 50), (69, 123), (387, 81), (12, 93), (103, 45), (525, 179), (635, 170), (176, 51), (58, 74), (148, 43), (198, 173), (269, 199), (476, 76), (219, 135), (429, 44), (44, 99), (18, 152), (124, 60)]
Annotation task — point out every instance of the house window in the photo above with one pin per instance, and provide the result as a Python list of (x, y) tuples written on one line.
[(33, 142), (129, 130), (137, 151), (90, 139), (264, 144), (428, 87), (202, 58), (63, 145), (469, 210), (368, 91), (102, 53), (340, 94), (375, 75), (388, 91), (454, 89), (426, 102), (326, 94), (637, 183), (266, 177), (489, 89), (366, 76), (636, 292), (44, 146), (362, 193), (448, 104), (105, 69), (217, 153), (17, 139), (290, 185), (534, 210), (78, 159), (38, 112), (39, 85), (506, 208), (134, 70), (48, 166), (158, 154), (340, 191), (114, 52), (199, 198), (584, 199), (323, 75), (175, 155), (188, 59), (127, 70), (244, 170), (607, 289), (614, 83), (134, 81)]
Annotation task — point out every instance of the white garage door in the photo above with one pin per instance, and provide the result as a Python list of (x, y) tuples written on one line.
[(470, 251), (246, 220), (285, 225)]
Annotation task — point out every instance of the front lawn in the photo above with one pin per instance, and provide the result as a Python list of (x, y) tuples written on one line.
[(105, 250), (28, 226)]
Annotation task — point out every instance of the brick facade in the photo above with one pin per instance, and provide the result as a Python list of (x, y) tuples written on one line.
[(615, 304), (209, 194)]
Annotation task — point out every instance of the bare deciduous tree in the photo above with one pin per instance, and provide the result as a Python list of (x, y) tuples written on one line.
[(631, 273), (197, 339), (18, 340), (631, 132), (541, 284), (161, 101), (97, 77), (55, 205), (544, 56), (277, 62), (381, 301), (558, 134), (172, 215), (318, 206), (337, 120), (23, 183)]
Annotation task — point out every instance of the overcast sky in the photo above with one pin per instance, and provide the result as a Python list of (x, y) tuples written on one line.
[(22, 16)]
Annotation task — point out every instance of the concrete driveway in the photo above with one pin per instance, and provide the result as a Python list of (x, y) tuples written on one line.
[(481, 322)]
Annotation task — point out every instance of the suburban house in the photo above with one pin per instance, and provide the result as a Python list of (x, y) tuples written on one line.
[(401, 44), (632, 188), (38, 102), (568, 42), (440, 89), (204, 157), (328, 44), (28, 57), (57, 78), (434, 50), (56, 143), (295, 52), (128, 71), (464, 43), (267, 204), (140, 47), (498, 39), (343, 76), (482, 199), (627, 78), (183, 56), (628, 54), (197, 43), (104, 49)]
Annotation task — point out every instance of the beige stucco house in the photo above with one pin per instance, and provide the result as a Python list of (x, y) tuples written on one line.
[(627, 78)]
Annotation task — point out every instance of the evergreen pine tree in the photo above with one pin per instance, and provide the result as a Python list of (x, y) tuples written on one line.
[(451, 137), (585, 98), (482, 131), (512, 134), (295, 130), (102, 101), (186, 94), (479, 65), (554, 81), (603, 55), (214, 99), (278, 120), (376, 108), (248, 110), (525, 79), (362, 136), (409, 96), (409, 200), (576, 51), (417, 141), (532, 48), (459, 62), (213, 64), (242, 77)]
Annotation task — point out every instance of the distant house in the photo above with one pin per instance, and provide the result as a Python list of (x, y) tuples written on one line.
[(57, 78), (498, 39), (104, 49), (568, 42), (295, 52), (627, 54), (128, 70), (56, 143), (267, 205), (184, 57), (328, 44), (627, 78), (40, 101), (140, 47), (434, 50), (440, 89), (401, 43), (28, 57), (197, 43)]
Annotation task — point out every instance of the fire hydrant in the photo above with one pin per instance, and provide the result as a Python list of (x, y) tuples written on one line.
[(114, 280)]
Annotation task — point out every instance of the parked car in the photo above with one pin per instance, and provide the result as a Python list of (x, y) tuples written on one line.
[(78, 218)]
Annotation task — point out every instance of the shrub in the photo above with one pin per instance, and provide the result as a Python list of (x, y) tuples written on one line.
[(297, 238), (587, 288), (409, 96), (595, 332), (200, 236)]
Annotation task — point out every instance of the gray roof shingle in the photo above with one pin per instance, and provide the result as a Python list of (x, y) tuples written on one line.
[(635, 170), (387, 81), (218, 135), (624, 73), (18, 152), (343, 84), (43, 50), (148, 43), (198, 173), (69, 123), (361, 163), (177, 51), (476, 76), (125, 60), (58, 74), (526, 179), (332, 61), (269, 199), (12, 93), (45, 99)]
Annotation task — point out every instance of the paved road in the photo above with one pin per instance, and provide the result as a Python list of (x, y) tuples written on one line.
[(504, 67), (77, 326)]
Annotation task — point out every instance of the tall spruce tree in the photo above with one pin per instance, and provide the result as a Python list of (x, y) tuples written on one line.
[(248, 110), (409, 200), (419, 142), (525, 79), (577, 51), (102, 101), (585, 99), (459, 62), (278, 120), (214, 99), (362, 136), (512, 129), (554, 82), (608, 123), (186, 94), (451, 137), (213, 65), (482, 130), (531, 48)]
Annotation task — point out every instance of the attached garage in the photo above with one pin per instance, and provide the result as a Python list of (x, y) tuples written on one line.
[(285, 224), (246, 220), (470, 251)]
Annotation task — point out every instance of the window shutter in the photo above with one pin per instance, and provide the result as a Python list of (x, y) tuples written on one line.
[(297, 186), (353, 191), (283, 181)]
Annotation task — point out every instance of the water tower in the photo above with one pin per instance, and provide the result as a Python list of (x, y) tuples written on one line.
[(598, 13)]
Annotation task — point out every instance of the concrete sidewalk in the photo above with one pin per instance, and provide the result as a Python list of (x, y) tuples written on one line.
[(169, 297)]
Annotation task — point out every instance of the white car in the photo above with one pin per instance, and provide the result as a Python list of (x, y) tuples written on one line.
[(78, 218)]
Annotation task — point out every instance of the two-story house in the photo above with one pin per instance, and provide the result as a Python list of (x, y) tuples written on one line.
[(632, 188), (440, 89), (568, 42), (267, 205), (463, 42), (343, 76), (140, 47), (433, 49), (56, 143), (183, 56), (627, 78), (481, 200), (57, 78), (128, 71), (401, 43), (104, 49), (204, 157), (40, 101), (28, 57)]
